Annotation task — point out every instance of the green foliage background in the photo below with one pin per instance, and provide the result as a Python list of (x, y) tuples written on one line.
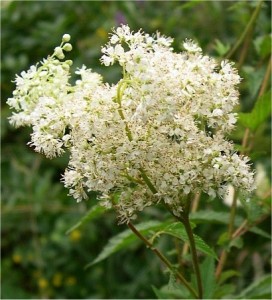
[(39, 259)]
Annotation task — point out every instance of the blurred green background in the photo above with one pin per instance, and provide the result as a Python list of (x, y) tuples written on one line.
[(39, 260)]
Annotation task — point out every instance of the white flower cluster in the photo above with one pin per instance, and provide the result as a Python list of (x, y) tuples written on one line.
[(155, 136)]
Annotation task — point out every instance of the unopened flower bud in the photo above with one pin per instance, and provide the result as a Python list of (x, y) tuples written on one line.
[(61, 56), (58, 50), (66, 38), (66, 67), (59, 53), (67, 47), (69, 62)]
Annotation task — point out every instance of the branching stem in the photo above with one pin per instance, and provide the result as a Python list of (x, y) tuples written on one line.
[(147, 181), (120, 89), (163, 259)]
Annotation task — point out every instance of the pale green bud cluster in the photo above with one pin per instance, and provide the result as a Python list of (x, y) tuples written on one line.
[(65, 46)]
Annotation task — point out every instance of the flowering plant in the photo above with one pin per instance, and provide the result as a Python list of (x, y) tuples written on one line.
[(157, 136)]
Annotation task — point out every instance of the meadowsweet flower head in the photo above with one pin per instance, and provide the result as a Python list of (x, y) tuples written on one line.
[(155, 136)]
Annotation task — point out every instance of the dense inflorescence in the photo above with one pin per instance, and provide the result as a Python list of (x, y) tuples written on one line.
[(155, 136)]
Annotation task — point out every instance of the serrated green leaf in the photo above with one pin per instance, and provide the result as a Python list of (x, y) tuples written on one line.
[(225, 291), (253, 79), (158, 293), (237, 243), (260, 232), (177, 230), (260, 112), (210, 216), (94, 212), (190, 4), (223, 239), (228, 274), (206, 216), (127, 238), (177, 291), (263, 45), (253, 209), (259, 289), (220, 48), (207, 270)]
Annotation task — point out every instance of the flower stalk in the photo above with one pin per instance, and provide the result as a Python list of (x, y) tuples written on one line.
[(186, 222), (163, 259)]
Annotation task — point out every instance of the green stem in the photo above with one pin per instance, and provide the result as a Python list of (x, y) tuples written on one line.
[(163, 259), (194, 207), (147, 181), (120, 89), (246, 31), (224, 254), (186, 222)]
